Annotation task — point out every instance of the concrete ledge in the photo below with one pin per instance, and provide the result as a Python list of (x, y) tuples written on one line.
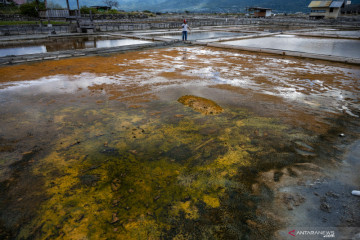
[(224, 39), (327, 35), (289, 53), (148, 38)]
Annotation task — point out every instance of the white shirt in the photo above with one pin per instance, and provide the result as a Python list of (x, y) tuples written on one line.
[(184, 27)]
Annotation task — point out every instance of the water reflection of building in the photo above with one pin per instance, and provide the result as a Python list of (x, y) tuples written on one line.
[(327, 9), (65, 44)]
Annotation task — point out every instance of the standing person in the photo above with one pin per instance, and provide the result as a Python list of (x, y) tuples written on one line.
[(185, 28)]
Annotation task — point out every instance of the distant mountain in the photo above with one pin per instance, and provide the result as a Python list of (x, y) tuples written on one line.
[(285, 6)]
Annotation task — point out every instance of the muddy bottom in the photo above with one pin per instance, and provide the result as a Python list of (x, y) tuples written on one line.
[(100, 147)]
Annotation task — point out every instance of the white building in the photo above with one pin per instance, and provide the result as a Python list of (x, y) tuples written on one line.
[(326, 9)]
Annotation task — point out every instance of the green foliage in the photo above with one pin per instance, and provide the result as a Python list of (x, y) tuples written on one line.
[(53, 5), (11, 8), (112, 11), (31, 9), (86, 10)]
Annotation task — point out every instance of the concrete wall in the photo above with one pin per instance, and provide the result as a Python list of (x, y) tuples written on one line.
[(27, 30), (334, 14), (167, 23)]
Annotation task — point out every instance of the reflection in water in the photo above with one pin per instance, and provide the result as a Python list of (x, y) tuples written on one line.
[(327, 46), (55, 84), (99, 147), (22, 50), (69, 44), (117, 42), (340, 33)]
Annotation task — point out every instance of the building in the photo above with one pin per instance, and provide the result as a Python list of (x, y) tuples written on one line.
[(260, 12), (326, 9)]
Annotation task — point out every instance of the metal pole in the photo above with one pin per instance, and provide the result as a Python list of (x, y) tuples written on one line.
[(68, 6)]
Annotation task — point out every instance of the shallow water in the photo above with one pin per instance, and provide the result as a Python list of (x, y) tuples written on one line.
[(344, 33), (203, 35), (326, 46), (99, 147), (68, 44)]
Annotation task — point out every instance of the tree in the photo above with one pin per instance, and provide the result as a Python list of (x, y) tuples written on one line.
[(31, 9), (111, 3), (53, 5)]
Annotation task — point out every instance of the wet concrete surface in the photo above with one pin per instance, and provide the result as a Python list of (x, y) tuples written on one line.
[(194, 35), (99, 147)]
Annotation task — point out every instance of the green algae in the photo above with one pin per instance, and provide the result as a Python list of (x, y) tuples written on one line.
[(134, 175)]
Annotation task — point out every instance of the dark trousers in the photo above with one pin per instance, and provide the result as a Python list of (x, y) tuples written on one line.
[(184, 35)]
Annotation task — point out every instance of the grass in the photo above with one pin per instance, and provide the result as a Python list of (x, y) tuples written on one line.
[(10, 23)]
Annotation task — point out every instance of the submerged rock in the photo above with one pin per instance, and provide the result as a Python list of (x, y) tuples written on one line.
[(202, 105)]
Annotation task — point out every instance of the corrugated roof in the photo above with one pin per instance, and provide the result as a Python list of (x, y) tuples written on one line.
[(336, 4), (319, 4)]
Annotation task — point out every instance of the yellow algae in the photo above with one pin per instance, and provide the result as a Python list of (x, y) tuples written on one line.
[(202, 105), (211, 201), (240, 123), (188, 208), (237, 155), (122, 176), (142, 228)]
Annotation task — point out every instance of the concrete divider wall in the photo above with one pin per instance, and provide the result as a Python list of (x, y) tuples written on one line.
[(27, 30), (166, 23)]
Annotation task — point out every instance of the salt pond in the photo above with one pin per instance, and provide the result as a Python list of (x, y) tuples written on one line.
[(326, 46), (62, 44), (99, 147)]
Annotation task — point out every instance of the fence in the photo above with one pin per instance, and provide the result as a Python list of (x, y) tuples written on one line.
[(54, 13)]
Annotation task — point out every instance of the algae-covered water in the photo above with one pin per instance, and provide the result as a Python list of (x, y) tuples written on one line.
[(101, 148)]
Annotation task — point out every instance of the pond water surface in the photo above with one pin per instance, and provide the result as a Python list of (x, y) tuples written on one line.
[(344, 33), (68, 44), (100, 148), (326, 46)]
